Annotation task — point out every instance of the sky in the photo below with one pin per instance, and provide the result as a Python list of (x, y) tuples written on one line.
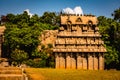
[(95, 7)]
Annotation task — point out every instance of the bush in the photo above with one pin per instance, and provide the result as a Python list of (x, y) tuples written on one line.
[(36, 63), (19, 56)]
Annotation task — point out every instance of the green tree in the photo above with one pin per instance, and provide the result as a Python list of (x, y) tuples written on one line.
[(116, 14), (23, 38), (19, 56), (34, 20), (108, 29), (47, 55), (51, 18), (111, 57), (22, 33)]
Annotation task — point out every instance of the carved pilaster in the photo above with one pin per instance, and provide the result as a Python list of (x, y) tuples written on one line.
[(95, 61), (73, 60), (90, 61), (84, 61), (79, 61), (57, 60), (62, 61), (101, 61), (68, 61)]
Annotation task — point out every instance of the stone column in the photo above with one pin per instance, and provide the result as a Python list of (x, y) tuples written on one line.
[(73, 60), (79, 61), (95, 60), (84, 61), (101, 61), (90, 61), (68, 61), (57, 60), (62, 61)]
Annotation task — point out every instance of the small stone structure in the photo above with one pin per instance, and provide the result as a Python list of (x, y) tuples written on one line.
[(78, 44)]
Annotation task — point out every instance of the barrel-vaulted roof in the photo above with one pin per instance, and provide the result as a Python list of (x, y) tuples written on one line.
[(73, 19)]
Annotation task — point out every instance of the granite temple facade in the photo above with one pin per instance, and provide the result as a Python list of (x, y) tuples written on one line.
[(78, 44)]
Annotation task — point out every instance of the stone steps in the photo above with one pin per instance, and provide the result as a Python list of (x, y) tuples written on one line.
[(11, 77), (11, 73), (10, 68)]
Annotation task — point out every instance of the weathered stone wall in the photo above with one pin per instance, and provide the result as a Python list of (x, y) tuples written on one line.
[(48, 37)]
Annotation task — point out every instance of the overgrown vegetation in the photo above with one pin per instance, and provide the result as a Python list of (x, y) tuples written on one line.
[(22, 32), (110, 30), (22, 38)]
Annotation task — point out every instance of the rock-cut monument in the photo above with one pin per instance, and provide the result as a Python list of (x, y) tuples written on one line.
[(78, 44)]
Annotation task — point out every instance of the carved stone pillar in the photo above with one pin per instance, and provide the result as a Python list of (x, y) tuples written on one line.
[(90, 61), (101, 61), (62, 61), (84, 61), (57, 60), (68, 61), (79, 61), (73, 60), (95, 60)]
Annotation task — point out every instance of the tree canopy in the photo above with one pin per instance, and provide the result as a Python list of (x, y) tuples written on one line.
[(110, 30), (22, 33), (116, 14)]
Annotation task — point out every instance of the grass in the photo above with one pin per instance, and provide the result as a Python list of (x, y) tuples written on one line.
[(65, 74)]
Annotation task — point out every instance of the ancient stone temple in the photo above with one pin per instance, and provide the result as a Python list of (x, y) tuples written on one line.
[(78, 44)]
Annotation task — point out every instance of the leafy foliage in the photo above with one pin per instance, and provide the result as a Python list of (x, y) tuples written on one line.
[(109, 28), (116, 14), (19, 56), (22, 35)]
